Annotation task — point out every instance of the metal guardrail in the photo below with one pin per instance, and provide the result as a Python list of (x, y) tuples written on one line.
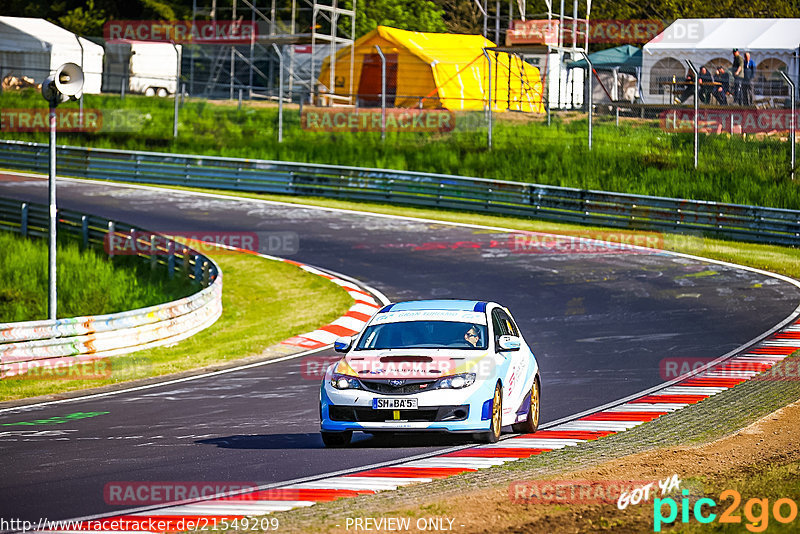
[(746, 223), (27, 345)]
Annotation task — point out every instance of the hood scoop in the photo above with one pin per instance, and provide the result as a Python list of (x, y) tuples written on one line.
[(401, 358)]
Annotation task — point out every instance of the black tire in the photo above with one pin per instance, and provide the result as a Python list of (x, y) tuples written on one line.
[(336, 439), (531, 422), (496, 421)]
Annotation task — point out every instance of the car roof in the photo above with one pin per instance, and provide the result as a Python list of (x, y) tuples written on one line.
[(439, 304)]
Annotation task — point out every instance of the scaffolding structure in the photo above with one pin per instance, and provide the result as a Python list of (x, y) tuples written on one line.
[(292, 35), (564, 38)]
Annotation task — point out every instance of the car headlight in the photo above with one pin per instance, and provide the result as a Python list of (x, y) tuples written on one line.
[(457, 381), (340, 381)]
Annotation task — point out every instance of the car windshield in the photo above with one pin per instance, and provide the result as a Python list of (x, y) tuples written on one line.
[(424, 335)]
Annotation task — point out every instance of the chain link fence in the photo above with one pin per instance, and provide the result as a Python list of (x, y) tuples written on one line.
[(490, 116)]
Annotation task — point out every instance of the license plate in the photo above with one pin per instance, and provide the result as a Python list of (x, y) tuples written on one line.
[(394, 404)]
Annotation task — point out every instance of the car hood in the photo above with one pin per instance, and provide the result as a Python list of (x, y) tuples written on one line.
[(414, 363)]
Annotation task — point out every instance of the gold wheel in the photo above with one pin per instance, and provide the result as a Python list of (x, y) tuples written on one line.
[(533, 415), (531, 422), (497, 412)]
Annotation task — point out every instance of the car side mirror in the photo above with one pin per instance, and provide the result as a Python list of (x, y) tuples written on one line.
[(343, 344), (508, 343)]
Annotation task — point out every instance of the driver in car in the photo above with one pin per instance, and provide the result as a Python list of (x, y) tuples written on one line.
[(473, 336)]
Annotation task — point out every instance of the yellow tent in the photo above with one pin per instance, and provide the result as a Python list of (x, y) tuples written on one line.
[(433, 70)]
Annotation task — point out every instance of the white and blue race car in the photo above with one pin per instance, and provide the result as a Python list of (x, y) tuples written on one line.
[(432, 365)]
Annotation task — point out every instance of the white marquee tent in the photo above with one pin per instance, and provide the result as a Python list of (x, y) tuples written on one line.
[(36, 48), (773, 44)]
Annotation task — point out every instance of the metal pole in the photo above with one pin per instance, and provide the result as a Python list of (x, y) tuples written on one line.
[(792, 135), (546, 81), (589, 96), (486, 19), (193, 50), (233, 71), (80, 99), (497, 23), (52, 295), (177, 81), (696, 108), (485, 53), (616, 97), (280, 92), (383, 92)]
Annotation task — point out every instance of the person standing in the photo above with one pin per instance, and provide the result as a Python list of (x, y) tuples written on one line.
[(738, 76), (749, 75)]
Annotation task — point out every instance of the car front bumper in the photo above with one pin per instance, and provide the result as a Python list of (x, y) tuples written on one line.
[(454, 410)]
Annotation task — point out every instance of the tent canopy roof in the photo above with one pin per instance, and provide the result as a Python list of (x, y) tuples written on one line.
[(429, 47), (727, 34), (20, 34), (627, 57), (435, 69)]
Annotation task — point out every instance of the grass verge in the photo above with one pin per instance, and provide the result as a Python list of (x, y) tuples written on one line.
[(636, 157), (88, 283), (264, 302)]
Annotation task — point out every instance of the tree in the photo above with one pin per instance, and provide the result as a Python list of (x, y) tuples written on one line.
[(675, 9), (414, 15), (462, 16), (84, 21)]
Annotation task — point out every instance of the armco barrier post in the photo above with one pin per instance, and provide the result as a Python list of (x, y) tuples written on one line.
[(171, 259), (153, 255), (110, 239), (198, 269), (792, 126), (85, 231), (23, 220)]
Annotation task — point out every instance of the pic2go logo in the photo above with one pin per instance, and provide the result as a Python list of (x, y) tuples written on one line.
[(756, 511)]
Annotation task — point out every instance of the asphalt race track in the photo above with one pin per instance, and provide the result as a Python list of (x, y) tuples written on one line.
[(600, 322)]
